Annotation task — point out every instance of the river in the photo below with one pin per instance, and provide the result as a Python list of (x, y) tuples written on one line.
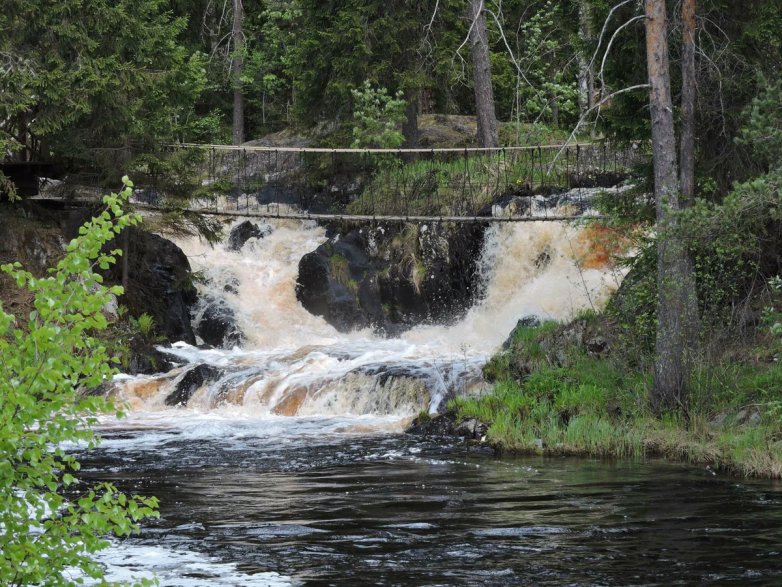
[(291, 468)]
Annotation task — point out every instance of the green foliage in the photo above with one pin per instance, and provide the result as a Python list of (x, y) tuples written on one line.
[(146, 324), (763, 129), (87, 73), (340, 44), (53, 523), (377, 118), (542, 36), (598, 407), (340, 269), (445, 187), (733, 243), (267, 79)]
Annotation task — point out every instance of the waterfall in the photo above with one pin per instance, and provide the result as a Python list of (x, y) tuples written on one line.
[(293, 365)]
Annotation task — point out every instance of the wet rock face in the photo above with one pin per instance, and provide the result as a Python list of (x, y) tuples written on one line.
[(190, 383), (243, 232), (159, 283), (217, 326), (525, 322), (392, 278), (145, 359), (158, 278), (443, 425), (447, 425)]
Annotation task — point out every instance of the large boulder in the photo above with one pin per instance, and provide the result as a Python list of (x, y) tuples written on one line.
[(444, 425), (392, 278), (243, 232), (159, 283), (521, 325), (217, 326)]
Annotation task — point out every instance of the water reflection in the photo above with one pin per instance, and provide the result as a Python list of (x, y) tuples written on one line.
[(353, 509)]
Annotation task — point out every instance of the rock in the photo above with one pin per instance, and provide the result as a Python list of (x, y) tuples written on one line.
[(391, 278), (443, 425), (190, 383), (572, 335), (565, 414), (231, 285), (596, 346), (748, 318), (749, 416), (719, 420), (520, 368), (472, 429), (145, 359), (159, 283), (525, 322), (243, 232), (217, 326)]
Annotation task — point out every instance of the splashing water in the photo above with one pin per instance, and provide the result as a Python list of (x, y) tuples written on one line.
[(295, 365)]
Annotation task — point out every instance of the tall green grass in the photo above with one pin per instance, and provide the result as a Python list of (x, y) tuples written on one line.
[(455, 185), (584, 405)]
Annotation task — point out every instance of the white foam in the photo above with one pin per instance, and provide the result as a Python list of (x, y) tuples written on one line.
[(177, 568), (295, 364)]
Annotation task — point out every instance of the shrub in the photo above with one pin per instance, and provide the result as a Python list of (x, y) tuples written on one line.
[(376, 118), (51, 524)]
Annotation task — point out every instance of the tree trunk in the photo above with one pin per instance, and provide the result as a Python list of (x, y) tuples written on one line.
[(586, 83), (481, 71), (554, 110), (688, 104), (236, 68), (675, 279), (410, 126), (125, 257)]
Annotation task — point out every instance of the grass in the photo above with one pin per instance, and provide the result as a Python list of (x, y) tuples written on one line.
[(577, 404), (339, 269), (455, 185)]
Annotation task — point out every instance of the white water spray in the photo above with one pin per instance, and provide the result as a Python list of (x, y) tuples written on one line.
[(294, 364)]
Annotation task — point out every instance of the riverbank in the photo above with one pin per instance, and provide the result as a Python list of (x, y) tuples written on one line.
[(570, 390)]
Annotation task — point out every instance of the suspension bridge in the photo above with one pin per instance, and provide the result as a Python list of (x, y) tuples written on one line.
[(512, 184)]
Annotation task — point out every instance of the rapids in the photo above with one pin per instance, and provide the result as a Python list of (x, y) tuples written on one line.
[(295, 364)]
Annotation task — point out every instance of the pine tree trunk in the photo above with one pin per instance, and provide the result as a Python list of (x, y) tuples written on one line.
[(688, 104), (481, 70), (675, 278), (236, 68), (410, 126)]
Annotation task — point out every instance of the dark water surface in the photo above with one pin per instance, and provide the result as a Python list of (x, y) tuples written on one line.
[(393, 510)]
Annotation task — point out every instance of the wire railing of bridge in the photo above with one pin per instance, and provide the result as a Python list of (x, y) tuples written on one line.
[(551, 182)]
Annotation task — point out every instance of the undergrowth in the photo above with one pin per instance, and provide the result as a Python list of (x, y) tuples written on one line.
[(553, 397), (461, 185)]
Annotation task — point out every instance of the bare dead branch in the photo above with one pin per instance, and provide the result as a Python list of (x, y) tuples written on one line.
[(586, 114)]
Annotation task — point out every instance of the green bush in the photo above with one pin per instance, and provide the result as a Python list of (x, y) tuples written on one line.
[(52, 523)]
